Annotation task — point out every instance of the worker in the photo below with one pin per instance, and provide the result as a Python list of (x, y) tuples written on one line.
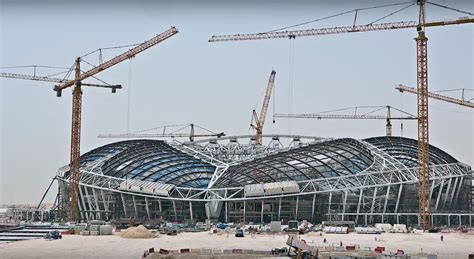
[(325, 240), (442, 238), (340, 243)]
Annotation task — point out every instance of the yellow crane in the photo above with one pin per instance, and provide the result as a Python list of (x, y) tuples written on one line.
[(436, 96), (422, 77), (368, 114), (73, 213), (260, 118)]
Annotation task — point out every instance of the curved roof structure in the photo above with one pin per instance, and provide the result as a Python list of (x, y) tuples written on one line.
[(319, 160), (406, 150), (150, 160), (158, 161)]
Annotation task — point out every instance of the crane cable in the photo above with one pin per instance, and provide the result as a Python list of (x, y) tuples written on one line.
[(450, 8), (392, 13), (290, 82), (401, 107), (129, 93), (339, 14)]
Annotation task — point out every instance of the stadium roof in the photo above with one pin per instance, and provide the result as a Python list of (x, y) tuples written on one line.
[(157, 161)]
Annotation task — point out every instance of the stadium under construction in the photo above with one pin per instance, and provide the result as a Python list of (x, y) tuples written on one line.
[(230, 179)]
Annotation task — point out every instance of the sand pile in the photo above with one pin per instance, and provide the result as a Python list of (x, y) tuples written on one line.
[(137, 232)]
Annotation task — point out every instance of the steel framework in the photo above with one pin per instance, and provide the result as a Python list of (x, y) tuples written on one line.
[(362, 180)]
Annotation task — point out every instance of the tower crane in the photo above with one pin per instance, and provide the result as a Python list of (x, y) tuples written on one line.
[(436, 96), (73, 213), (369, 115), (260, 118), (192, 135), (422, 79)]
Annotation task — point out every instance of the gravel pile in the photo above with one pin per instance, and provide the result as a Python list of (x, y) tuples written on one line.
[(137, 232)]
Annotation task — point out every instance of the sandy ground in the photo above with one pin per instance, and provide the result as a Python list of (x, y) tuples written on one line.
[(455, 245)]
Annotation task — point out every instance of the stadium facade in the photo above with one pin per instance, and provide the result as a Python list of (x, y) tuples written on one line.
[(292, 177)]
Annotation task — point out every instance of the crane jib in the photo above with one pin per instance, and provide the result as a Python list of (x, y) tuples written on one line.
[(124, 56)]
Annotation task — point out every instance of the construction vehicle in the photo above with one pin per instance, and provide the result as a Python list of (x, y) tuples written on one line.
[(52, 235), (260, 118), (422, 75)]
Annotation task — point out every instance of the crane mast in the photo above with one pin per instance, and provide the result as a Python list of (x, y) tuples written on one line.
[(423, 135), (75, 143), (260, 119), (432, 95)]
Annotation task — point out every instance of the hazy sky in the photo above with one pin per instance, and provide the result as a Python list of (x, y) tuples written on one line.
[(216, 85)]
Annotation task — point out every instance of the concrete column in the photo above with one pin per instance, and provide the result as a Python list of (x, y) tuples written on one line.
[(373, 204), (329, 202), (447, 192), (312, 208), (191, 210), (459, 218), (344, 203), (279, 209), (89, 204), (83, 203), (261, 214), (96, 200), (226, 209), (358, 205), (455, 186), (386, 200), (432, 188), (297, 201), (439, 194), (135, 206), (159, 205), (124, 205), (226, 212), (398, 197), (459, 188), (245, 205), (398, 218), (174, 209), (449, 220), (147, 208), (104, 201)]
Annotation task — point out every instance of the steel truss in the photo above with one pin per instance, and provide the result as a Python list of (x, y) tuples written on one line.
[(365, 180)]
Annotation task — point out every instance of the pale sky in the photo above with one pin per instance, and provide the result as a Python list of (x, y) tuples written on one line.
[(216, 85)]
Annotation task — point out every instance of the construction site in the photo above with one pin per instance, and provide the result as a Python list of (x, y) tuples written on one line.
[(184, 191)]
